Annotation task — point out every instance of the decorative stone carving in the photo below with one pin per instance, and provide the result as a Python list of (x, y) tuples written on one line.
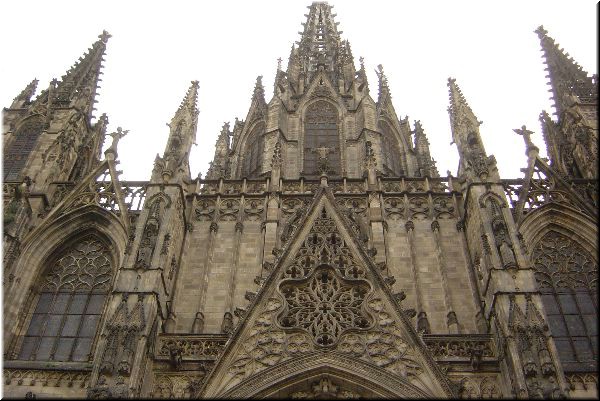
[(325, 305), (478, 387), (205, 210), (418, 208), (560, 263), (204, 347), (324, 245), (325, 388), (176, 386), (394, 208), (443, 208), (458, 347), (530, 329), (122, 333), (53, 378), (253, 209), (229, 209)]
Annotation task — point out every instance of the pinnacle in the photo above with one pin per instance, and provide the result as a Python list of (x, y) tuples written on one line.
[(567, 78), (259, 90), (457, 99), (191, 98), (27, 93), (459, 109), (383, 82)]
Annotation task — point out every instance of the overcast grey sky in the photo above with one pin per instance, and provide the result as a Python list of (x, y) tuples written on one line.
[(157, 48)]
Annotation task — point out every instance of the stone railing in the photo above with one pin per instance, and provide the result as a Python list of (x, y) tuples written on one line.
[(195, 347), (303, 186), (460, 347)]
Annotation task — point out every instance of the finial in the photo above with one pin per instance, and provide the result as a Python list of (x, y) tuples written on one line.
[(279, 64), (541, 31), (259, 90), (104, 36), (418, 127), (225, 128)]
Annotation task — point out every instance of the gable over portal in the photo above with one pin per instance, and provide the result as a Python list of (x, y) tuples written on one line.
[(324, 302)]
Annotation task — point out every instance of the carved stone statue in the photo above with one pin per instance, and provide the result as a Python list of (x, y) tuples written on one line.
[(146, 249), (504, 245)]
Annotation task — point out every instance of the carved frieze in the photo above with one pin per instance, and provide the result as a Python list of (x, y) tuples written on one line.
[(393, 208), (253, 209), (50, 378), (191, 347), (205, 210), (228, 209)]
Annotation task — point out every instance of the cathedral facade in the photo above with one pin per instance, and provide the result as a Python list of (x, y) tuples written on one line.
[(322, 256)]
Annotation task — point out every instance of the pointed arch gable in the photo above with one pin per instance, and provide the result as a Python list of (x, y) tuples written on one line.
[(393, 148), (562, 245), (367, 380), (262, 338), (562, 219), (251, 150), (40, 246)]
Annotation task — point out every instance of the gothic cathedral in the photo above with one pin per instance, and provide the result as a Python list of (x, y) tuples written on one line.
[(322, 256)]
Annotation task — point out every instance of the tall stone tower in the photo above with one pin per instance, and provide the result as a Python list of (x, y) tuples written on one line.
[(323, 256)]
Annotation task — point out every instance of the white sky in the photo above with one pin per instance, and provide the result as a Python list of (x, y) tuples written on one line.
[(157, 48)]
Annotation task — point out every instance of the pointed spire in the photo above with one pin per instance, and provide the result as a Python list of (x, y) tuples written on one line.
[(182, 134), (79, 85), (424, 159), (461, 115), (25, 96), (569, 82), (189, 104)]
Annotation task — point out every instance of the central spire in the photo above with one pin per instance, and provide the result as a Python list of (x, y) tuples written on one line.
[(320, 46)]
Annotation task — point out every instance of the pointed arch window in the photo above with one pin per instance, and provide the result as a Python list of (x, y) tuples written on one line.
[(254, 152), (17, 153), (321, 137), (390, 151), (567, 277), (69, 304)]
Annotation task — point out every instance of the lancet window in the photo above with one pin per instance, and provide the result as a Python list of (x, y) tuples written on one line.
[(69, 302), (390, 151), (254, 152), (321, 140), (17, 153), (567, 277)]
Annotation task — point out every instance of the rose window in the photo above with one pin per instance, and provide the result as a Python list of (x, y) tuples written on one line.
[(325, 305)]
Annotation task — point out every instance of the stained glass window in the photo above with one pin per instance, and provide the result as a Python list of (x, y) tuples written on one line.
[(17, 153), (69, 305), (321, 133), (567, 278), (390, 152), (254, 152)]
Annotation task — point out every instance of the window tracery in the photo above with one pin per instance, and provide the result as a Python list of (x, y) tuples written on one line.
[(321, 138), (567, 278), (69, 305), (254, 152), (325, 305), (17, 154)]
